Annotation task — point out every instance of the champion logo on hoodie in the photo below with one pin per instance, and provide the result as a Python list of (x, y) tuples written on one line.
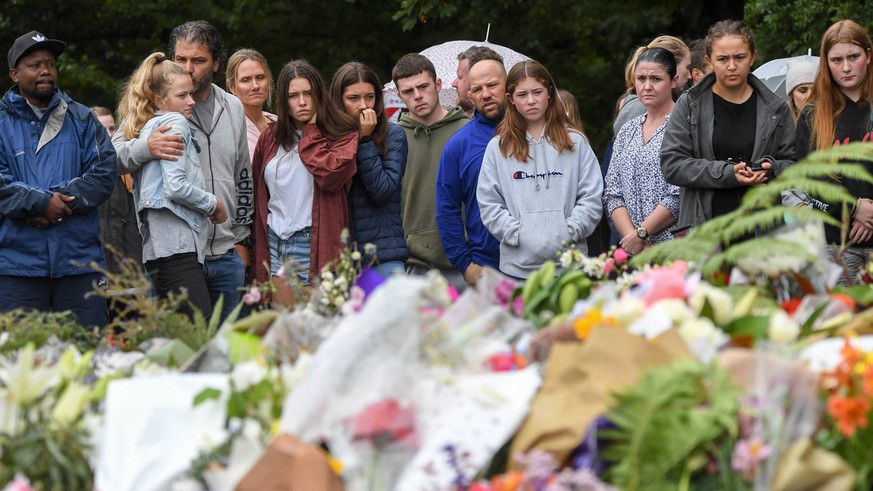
[(520, 174)]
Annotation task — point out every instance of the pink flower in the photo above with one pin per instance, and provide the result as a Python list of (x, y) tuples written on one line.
[(620, 255), (480, 486), (253, 296), (662, 283), (453, 293), (609, 266), (502, 362), (355, 301), (281, 272), (385, 422), (748, 454), (19, 484)]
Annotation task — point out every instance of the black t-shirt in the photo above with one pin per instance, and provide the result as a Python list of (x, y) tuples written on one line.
[(733, 136), (852, 125)]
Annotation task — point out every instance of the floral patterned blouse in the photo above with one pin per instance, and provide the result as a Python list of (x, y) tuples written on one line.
[(634, 179)]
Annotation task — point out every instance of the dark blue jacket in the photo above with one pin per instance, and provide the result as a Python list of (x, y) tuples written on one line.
[(462, 232), (374, 198), (75, 158)]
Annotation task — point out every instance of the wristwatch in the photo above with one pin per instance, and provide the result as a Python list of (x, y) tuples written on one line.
[(642, 233)]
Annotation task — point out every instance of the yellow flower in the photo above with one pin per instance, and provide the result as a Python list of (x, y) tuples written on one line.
[(334, 464), (593, 318)]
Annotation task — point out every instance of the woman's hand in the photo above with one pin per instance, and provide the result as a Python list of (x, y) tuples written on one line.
[(747, 177), (864, 212), (366, 122), (632, 243), (220, 214)]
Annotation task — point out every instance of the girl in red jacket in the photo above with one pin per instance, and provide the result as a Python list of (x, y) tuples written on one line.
[(303, 167)]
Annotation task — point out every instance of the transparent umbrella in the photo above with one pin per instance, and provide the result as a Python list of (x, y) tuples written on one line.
[(773, 72)]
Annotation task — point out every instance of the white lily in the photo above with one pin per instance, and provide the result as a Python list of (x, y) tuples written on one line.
[(24, 380)]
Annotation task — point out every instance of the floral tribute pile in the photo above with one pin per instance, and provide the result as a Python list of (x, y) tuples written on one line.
[(596, 373)]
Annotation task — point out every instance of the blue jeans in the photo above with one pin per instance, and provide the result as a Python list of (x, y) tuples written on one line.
[(389, 268), (55, 294), (225, 276), (294, 250)]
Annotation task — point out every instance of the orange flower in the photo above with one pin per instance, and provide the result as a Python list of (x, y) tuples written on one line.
[(851, 355), (867, 384), (847, 300), (850, 413), (511, 481), (790, 306)]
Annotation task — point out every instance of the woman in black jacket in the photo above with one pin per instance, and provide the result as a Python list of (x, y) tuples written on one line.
[(374, 198)]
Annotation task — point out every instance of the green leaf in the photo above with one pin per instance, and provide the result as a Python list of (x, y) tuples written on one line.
[(861, 294), (756, 326), (206, 395)]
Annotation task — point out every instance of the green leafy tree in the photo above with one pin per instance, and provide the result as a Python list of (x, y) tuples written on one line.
[(789, 28)]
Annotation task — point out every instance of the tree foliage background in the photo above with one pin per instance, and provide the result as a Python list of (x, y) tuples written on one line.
[(584, 43)]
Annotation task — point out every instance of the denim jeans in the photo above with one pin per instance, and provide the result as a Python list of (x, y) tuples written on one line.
[(389, 268), (225, 276), (294, 250), (55, 294)]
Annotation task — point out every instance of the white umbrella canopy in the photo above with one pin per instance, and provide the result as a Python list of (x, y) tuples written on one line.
[(445, 59), (773, 72)]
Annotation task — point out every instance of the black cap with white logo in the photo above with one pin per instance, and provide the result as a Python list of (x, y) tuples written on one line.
[(31, 41)]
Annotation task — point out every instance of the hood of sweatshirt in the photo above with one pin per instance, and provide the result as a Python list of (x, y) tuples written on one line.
[(453, 115)]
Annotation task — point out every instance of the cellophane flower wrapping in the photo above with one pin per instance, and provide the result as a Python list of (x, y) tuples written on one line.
[(406, 377)]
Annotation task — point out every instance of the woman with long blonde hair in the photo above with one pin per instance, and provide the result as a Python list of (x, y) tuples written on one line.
[(249, 78), (838, 112), (540, 184), (172, 206)]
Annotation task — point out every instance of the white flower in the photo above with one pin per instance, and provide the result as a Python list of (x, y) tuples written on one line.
[(720, 301), (627, 310), (327, 285), (24, 380), (71, 403), (677, 310), (8, 413), (247, 374), (356, 256), (783, 329), (369, 249), (702, 338), (566, 259), (327, 276)]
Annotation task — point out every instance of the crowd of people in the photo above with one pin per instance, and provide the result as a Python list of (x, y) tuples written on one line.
[(208, 189)]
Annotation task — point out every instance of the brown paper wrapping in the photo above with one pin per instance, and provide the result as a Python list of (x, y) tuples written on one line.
[(291, 465), (579, 381), (805, 467)]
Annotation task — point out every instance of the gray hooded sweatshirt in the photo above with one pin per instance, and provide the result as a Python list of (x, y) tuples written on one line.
[(539, 207)]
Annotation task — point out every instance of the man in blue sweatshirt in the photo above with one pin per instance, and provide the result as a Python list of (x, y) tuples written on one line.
[(468, 244)]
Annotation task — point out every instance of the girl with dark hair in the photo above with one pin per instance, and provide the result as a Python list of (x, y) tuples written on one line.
[(724, 129), (303, 167), (838, 112), (374, 198), (637, 198), (540, 185), (172, 205)]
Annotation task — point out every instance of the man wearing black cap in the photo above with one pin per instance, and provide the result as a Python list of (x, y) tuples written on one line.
[(56, 165)]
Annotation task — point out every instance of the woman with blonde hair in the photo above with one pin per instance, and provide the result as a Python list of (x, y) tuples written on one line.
[(632, 107), (250, 80), (540, 185), (172, 206), (838, 112)]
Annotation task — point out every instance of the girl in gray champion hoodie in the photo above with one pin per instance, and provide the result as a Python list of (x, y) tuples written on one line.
[(540, 185)]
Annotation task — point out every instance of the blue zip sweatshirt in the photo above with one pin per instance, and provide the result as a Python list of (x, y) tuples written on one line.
[(464, 236)]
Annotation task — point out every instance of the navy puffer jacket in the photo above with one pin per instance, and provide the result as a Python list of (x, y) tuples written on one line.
[(374, 198)]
